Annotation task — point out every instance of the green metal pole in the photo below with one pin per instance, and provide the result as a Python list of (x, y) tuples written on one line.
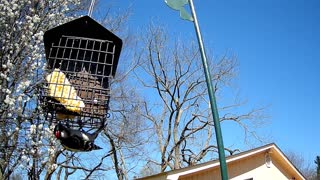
[(222, 158)]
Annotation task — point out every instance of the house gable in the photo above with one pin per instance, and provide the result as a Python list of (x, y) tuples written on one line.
[(261, 163)]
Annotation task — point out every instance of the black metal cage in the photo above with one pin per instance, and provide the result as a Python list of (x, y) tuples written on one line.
[(82, 57)]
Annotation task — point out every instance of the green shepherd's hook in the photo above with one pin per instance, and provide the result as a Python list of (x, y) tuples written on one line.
[(179, 5)]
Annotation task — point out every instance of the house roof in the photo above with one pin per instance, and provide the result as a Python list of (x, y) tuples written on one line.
[(270, 148)]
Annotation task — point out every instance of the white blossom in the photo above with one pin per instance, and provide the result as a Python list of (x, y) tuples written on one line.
[(19, 98), (22, 56), (25, 158), (32, 151), (33, 128), (8, 100), (9, 133)]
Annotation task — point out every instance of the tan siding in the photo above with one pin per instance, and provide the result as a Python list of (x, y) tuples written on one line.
[(250, 164), (253, 167), (283, 169), (234, 170)]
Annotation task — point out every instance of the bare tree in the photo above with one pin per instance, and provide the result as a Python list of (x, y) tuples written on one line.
[(125, 129), (168, 114), (299, 162), (317, 162), (149, 169), (176, 104)]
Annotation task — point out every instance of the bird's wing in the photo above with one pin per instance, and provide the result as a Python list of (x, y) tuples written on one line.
[(75, 144), (72, 143), (79, 134), (83, 135), (89, 136)]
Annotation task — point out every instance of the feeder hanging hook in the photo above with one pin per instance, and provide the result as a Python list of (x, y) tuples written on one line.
[(91, 8)]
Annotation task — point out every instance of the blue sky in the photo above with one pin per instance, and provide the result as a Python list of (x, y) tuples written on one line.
[(276, 45)]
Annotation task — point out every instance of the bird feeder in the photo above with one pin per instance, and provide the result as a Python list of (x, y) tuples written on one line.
[(82, 57)]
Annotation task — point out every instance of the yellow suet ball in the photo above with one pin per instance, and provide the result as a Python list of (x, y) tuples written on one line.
[(60, 89)]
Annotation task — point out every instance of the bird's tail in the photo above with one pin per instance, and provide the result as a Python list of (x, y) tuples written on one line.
[(96, 147), (91, 146)]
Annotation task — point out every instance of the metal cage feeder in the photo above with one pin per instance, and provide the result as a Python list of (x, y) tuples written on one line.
[(86, 55)]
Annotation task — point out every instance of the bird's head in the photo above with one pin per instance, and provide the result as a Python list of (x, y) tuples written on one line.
[(60, 131)]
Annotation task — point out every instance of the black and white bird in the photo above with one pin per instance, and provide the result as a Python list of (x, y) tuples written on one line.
[(76, 140)]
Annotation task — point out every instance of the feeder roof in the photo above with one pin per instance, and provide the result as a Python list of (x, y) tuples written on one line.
[(83, 27)]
